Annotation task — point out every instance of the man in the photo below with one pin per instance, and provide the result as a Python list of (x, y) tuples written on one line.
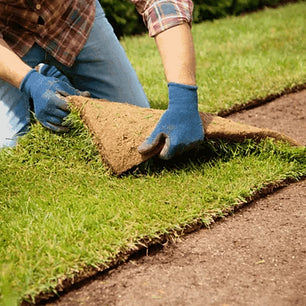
[(75, 37)]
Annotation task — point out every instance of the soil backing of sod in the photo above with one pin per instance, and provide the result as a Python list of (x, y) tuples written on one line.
[(119, 128)]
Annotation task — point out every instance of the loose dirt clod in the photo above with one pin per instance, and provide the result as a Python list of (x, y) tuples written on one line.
[(119, 128)]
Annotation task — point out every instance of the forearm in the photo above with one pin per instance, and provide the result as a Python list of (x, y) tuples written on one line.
[(178, 56), (12, 68)]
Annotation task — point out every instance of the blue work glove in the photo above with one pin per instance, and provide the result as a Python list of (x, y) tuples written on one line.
[(49, 108), (51, 71), (179, 128)]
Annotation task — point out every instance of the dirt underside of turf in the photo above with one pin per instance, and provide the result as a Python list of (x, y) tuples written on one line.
[(256, 256), (119, 128)]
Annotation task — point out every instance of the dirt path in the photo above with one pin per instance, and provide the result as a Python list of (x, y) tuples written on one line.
[(255, 257)]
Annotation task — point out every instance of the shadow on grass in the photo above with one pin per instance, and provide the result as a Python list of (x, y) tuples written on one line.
[(214, 151)]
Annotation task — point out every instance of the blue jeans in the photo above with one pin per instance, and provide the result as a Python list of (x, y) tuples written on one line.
[(102, 68)]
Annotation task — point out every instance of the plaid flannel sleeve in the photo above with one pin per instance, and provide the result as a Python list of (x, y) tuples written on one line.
[(1, 27), (160, 15)]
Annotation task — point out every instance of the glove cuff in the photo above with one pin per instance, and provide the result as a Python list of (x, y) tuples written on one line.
[(31, 78), (182, 86), (183, 96)]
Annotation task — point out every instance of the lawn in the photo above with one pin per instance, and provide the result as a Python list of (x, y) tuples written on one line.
[(61, 211)]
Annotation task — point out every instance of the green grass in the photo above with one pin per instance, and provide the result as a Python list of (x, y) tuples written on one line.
[(61, 210), (238, 58)]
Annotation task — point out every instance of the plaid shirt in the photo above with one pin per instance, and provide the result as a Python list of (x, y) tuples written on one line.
[(160, 15), (62, 27)]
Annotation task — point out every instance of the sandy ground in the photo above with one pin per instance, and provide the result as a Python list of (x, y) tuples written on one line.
[(255, 257)]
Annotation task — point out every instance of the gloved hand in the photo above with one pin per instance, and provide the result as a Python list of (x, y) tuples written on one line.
[(51, 71), (49, 108), (180, 127)]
